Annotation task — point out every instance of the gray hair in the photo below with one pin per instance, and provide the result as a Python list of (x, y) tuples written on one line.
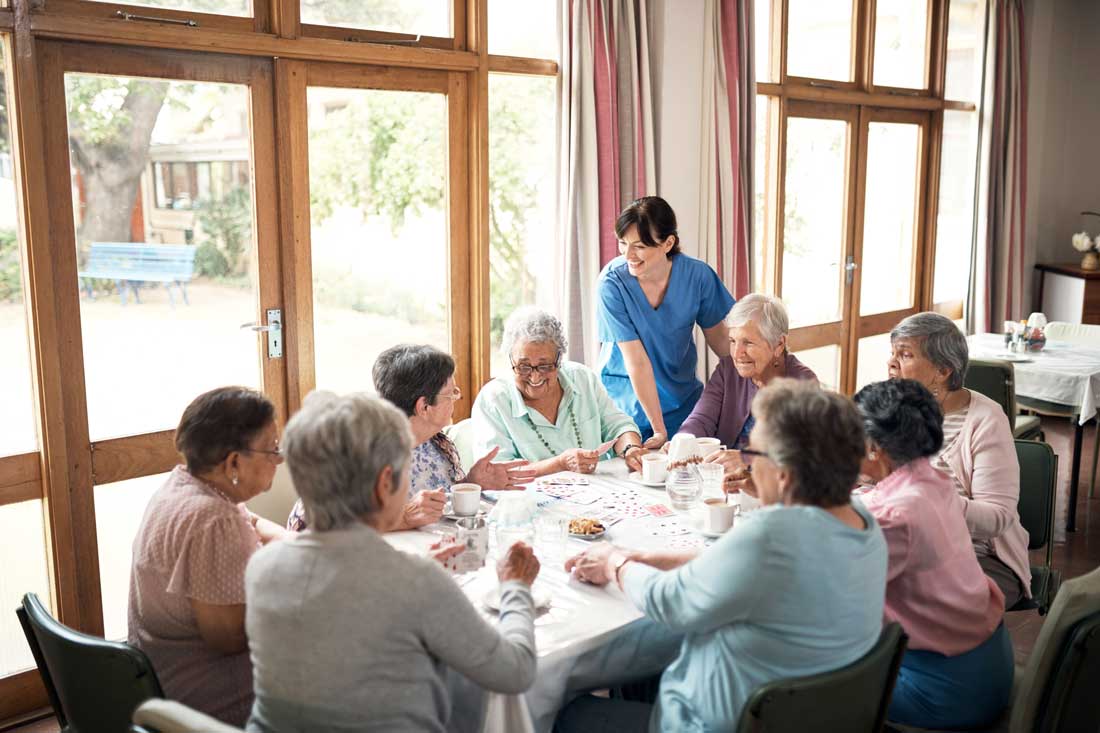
[(531, 325), (766, 311), (336, 447), (816, 434), (941, 342)]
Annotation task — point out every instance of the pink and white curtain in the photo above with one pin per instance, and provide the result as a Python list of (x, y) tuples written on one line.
[(606, 151), (725, 208), (997, 265)]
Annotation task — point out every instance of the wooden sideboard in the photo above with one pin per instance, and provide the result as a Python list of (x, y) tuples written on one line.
[(1068, 293)]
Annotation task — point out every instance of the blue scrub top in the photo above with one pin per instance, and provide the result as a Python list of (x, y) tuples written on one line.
[(695, 295)]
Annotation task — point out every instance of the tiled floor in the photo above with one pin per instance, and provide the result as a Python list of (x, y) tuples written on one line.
[(1075, 553)]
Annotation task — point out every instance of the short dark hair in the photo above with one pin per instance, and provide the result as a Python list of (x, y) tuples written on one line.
[(403, 374), (655, 219), (903, 417), (221, 421), (814, 433)]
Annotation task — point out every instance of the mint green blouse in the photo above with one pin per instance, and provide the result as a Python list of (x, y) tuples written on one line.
[(502, 419)]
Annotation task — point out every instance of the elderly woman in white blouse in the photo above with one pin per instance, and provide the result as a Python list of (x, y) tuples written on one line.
[(553, 412)]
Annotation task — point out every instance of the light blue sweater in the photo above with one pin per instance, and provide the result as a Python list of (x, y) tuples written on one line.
[(791, 591)]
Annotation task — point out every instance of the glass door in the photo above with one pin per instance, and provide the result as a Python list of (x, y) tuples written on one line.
[(168, 262)]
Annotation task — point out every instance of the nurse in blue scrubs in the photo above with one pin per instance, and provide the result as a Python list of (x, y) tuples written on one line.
[(650, 299)]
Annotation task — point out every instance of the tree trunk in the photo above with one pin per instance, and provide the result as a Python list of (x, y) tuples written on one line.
[(111, 169)]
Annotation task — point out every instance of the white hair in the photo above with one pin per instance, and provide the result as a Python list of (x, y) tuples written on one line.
[(766, 311), (531, 325), (336, 447)]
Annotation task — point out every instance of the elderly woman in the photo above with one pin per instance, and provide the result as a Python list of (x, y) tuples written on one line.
[(421, 381), (650, 300), (187, 600), (957, 671), (553, 413), (978, 453), (796, 590), (348, 633)]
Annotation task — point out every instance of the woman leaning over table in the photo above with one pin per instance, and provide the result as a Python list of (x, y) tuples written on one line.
[(957, 671), (187, 602), (553, 413), (978, 454), (349, 634), (420, 380), (794, 589), (650, 300)]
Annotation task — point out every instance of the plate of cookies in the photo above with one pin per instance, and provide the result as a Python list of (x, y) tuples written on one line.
[(586, 529)]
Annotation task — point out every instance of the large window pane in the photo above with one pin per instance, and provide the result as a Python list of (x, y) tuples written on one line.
[(901, 29), (767, 109), (819, 39), (890, 217), (163, 291), (524, 28), (762, 19), (521, 198), (965, 25), (18, 432), (813, 219), (427, 17), (378, 223), (955, 219), (874, 352), (119, 508), (221, 7), (825, 363), (23, 556)]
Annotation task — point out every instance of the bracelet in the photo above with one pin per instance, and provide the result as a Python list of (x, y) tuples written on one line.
[(627, 449)]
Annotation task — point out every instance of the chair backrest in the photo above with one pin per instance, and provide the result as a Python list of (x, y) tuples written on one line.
[(852, 698), (462, 434), (93, 684), (1050, 692), (1038, 487), (996, 380), (1078, 333), (169, 716)]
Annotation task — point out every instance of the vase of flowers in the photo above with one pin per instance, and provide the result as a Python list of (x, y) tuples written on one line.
[(1083, 242)]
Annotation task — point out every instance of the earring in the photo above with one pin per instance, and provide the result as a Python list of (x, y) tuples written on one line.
[(234, 479)]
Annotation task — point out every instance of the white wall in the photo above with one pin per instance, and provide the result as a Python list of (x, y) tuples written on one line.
[(1062, 41)]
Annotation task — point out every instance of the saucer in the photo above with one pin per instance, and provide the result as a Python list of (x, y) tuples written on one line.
[(636, 477), (712, 535), (540, 596)]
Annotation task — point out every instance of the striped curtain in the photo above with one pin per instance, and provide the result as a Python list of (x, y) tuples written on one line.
[(725, 211), (606, 150), (997, 264)]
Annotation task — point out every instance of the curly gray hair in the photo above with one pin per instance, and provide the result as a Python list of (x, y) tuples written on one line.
[(531, 325), (336, 447), (941, 342), (766, 311)]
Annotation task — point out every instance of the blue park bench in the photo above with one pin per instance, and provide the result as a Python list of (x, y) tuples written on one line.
[(129, 264)]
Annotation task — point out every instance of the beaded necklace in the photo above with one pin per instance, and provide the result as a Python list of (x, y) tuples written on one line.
[(542, 439)]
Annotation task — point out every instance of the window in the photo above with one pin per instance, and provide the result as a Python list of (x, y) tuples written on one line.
[(220, 7), (427, 17), (524, 28), (193, 185)]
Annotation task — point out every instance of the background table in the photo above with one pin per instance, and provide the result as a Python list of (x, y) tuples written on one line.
[(581, 617)]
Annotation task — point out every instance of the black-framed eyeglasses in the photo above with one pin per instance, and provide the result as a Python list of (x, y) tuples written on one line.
[(524, 370), (748, 455)]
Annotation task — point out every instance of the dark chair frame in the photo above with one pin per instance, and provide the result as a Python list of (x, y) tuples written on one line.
[(1042, 534)]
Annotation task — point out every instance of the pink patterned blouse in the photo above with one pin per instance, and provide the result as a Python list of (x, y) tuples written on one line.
[(193, 543)]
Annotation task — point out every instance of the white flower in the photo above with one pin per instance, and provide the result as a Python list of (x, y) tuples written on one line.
[(1082, 242)]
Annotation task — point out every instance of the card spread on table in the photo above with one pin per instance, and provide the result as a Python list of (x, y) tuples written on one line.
[(658, 510), (564, 481)]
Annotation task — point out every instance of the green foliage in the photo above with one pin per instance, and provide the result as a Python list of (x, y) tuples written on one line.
[(11, 283), (227, 224), (209, 261)]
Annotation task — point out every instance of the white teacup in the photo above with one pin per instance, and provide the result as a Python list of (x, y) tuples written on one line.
[(654, 468), (465, 499), (708, 445), (719, 515)]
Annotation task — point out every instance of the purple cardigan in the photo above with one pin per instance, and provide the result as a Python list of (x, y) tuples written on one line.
[(724, 406)]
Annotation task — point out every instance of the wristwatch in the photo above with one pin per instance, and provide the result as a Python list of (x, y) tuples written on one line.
[(627, 449)]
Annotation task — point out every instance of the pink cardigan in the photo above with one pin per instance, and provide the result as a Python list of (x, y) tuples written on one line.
[(984, 461), (934, 586)]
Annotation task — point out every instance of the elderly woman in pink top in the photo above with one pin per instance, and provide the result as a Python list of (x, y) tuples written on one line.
[(978, 454), (186, 608), (957, 672)]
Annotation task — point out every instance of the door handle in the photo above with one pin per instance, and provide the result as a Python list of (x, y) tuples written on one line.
[(274, 331)]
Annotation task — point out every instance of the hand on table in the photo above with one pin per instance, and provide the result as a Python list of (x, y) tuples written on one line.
[(634, 459), (425, 508), (445, 551), (500, 476), (519, 563), (592, 565), (579, 460), (738, 476), (656, 441)]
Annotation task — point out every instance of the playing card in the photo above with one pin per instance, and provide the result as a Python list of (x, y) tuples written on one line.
[(658, 510)]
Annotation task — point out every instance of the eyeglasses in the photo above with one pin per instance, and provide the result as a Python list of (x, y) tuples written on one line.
[(748, 455), (454, 394), (524, 370), (278, 452)]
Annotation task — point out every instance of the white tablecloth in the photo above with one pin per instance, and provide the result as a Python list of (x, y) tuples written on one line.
[(581, 617), (1065, 373)]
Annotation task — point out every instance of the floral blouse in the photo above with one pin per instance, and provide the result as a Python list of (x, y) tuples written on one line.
[(435, 465)]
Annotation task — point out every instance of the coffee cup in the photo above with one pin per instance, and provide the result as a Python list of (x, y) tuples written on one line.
[(654, 468), (719, 515), (465, 499), (708, 445)]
